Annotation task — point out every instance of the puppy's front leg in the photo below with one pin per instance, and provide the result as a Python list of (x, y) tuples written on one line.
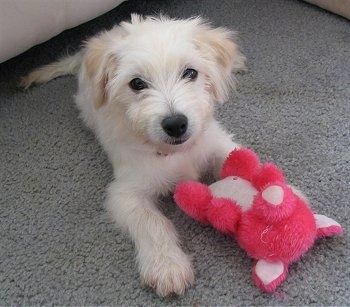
[(221, 144), (162, 264)]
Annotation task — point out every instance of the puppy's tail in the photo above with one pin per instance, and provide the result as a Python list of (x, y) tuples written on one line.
[(66, 66)]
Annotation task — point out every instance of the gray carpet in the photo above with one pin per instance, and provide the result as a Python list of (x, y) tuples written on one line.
[(293, 107)]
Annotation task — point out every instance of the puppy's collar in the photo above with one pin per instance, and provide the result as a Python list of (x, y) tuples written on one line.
[(148, 150), (161, 154)]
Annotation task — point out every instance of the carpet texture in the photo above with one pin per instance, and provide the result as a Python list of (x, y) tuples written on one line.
[(57, 246)]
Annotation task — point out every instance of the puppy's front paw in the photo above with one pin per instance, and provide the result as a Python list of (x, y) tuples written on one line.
[(168, 274)]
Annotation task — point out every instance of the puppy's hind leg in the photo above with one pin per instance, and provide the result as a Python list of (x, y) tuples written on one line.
[(162, 264), (66, 66), (239, 64)]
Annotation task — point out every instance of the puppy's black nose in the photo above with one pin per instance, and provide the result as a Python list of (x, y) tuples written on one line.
[(175, 125)]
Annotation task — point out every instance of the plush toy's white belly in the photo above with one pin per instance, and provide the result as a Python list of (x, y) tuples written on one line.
[(235, 188)]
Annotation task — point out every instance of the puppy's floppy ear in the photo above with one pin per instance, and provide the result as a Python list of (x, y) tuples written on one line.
[(100, 64), (224, 57), (136, 18)]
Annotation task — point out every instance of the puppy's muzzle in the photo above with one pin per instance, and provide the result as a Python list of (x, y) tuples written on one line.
[(175, 125)]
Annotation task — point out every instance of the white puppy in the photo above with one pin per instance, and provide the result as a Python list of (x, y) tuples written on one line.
[(148, 89)]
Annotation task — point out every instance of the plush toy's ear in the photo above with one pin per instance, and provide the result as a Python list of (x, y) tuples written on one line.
[(101, 63), (242, 163), (218, 46), (268, 174)]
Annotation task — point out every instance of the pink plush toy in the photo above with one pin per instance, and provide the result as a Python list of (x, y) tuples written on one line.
[(271, 221)]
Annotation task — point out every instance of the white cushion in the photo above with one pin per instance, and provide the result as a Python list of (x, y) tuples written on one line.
[(340, 7), (25, 23)]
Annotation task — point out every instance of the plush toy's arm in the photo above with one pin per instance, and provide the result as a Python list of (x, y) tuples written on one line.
[(193, 198), (327, 227), (224, 214), (197, 201)]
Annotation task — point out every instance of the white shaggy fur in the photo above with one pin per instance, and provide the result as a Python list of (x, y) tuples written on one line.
[(147, 161)]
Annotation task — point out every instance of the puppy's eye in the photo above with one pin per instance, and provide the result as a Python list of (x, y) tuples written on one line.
[(190, 73), (137, 84)]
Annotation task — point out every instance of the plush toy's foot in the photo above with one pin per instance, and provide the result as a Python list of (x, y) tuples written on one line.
[(327, 227), (193, 198), (269, 275)]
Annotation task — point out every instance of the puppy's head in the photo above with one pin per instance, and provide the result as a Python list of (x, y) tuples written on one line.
[(164, 76)]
